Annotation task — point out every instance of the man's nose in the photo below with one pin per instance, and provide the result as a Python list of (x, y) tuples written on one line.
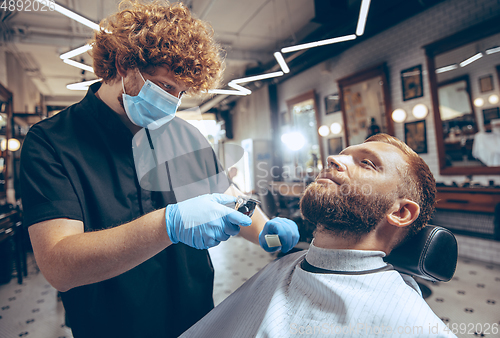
[(334, 162)]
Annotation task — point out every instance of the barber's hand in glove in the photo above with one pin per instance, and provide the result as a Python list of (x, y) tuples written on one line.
[(203, 222), (287, 231)]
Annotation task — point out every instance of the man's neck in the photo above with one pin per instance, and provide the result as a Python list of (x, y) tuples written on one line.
[(109, 93), (383, 238), (329, 241)]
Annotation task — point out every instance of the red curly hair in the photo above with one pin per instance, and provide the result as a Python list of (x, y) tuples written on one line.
[(148, 35)]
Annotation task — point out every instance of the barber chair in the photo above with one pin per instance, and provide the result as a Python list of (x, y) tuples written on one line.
[(431, 254)]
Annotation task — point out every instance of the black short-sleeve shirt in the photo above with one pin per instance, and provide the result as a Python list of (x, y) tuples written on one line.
[(79, 164)]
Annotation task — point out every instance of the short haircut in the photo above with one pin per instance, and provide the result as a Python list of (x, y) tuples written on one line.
[(149, 35), (418, 183)]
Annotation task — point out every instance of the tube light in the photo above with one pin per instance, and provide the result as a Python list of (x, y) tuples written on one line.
[(446, 68), (226, 91), (75, 52), (257, 77), (72, 15), (493, 50), (318, 43), (81, 85), (244, 90), (78, 65), (471, 59), (282, 62), (363, 14)]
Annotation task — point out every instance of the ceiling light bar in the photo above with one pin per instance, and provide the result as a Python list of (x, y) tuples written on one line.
[(78, 65), (318, 43), (81, 85), (226, 91), (446, 68), (258, 77), (471, 59), (363, 14), (282, 62), (72, 15), (240, 88), (493, 50), (75, 52)]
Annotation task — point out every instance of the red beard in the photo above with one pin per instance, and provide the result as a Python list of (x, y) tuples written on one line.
[(346, 211)]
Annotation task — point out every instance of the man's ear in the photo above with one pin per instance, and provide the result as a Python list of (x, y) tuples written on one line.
[(403, 213)]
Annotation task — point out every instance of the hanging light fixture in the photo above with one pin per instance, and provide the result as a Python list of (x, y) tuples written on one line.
[(81, 85)]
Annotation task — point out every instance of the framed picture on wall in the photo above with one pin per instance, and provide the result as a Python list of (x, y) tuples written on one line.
[(335, 145), (411, 80), (490, 114), (486, 83), (416, 136), (332, 103)]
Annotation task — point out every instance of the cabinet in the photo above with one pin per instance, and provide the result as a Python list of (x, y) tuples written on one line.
[(469, 211)]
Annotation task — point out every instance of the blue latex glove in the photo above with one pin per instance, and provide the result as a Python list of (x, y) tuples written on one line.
[(287, 231), (203, 222)]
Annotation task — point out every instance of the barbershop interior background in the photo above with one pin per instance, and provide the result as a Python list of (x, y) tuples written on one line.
[(425, 71)]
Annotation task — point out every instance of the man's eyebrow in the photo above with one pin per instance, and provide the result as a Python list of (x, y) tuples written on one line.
[(368, 152)]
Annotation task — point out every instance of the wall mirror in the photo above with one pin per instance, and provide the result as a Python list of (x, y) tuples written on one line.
[(365, 104), (464, 81), (302, 147), (458, 122)]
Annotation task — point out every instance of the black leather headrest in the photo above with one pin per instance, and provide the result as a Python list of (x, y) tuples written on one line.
[(431, 254)]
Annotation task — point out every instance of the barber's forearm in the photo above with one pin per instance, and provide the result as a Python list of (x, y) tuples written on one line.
[(92, 257), (259, 219), (252, 232)]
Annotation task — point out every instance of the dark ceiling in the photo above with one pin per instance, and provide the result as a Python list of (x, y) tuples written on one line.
[(339, 18)]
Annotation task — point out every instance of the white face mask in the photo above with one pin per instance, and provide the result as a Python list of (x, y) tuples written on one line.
[(152, 107)]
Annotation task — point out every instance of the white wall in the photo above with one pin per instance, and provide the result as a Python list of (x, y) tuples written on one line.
[(251, 120), (3, 67), (252, 117), (400, 47), (25, 95)]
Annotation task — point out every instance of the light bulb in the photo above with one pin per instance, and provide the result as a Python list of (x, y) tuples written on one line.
[(324, 131), (479, 102), (14, 144), (420, 111), (398, 115), (336, 128), (294, 140), (493, 99)]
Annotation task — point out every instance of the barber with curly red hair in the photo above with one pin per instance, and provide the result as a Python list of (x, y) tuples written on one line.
[(129, 256)]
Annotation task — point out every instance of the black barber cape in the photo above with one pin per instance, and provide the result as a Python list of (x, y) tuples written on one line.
[(79, 165)]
